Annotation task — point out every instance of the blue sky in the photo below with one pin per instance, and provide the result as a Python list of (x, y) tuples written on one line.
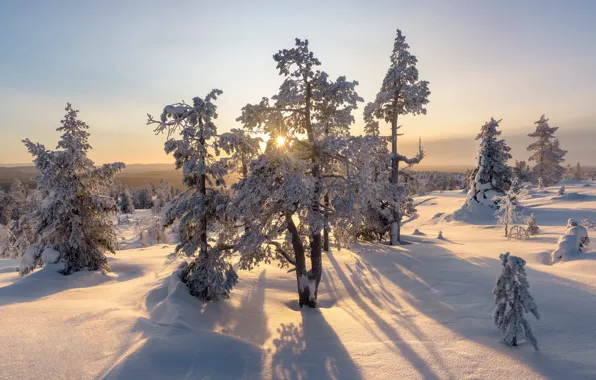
[(118, 60)]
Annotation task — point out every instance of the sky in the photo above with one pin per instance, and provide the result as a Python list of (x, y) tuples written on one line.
[(116, 61)]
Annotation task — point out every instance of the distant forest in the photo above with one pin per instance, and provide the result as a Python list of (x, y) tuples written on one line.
[(134, 175)]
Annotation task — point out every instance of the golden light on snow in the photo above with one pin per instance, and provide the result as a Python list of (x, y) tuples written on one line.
[(281, 141)]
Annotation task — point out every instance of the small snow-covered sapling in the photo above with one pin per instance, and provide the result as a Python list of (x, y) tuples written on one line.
[(513, 301), (533, 228)]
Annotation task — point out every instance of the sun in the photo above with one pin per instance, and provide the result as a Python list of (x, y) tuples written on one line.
[(281, 141)]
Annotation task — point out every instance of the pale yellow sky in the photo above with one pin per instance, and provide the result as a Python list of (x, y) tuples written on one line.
[(116, 62)]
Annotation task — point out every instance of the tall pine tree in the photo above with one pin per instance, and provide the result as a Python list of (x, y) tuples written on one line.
[(401, 93), (547, 154)]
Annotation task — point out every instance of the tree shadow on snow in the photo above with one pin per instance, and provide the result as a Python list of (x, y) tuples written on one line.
[(457, 293), (311, 350), (359, 289)]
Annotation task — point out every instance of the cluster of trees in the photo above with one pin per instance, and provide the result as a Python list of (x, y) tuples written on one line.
[(16, 227), (420, 182), (311, 181), (492, 177), (312, 178), (576, 173), (149, 196)]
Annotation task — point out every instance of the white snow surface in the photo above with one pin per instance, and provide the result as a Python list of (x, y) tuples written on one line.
[(422, 310)]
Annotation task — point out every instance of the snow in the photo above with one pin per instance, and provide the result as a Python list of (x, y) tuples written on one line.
[(418, 310), (571, 244)]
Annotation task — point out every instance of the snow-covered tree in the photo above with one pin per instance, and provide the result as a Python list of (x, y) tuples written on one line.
[(513, 301), (247, 150), (547, 154), (507, 213), (143, 198), (588, 223), (492, 176), (401, 93), (25, 230), (5, 209), (74, 224), (7, 243), (366, 204), (532, 228), (522, 172), (126, 203), (283, 196), (578, 174), (153, 233), (203, 224), (13, 204), (18, 199)]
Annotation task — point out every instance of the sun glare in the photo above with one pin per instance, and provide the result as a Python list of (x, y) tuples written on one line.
[(280, 140)]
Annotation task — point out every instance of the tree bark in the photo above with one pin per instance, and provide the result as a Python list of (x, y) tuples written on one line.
[(326, 228), (302, 280), (395, 230), (316, 255), (203, 190)]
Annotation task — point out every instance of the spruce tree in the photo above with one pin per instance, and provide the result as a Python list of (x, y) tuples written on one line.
[(533, 228), (513, 301), (126, 204), (74, 220), (492, 176), (547, 155), (507, 213), (578, 175)]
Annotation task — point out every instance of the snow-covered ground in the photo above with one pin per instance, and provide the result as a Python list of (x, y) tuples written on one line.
[(420, 310)]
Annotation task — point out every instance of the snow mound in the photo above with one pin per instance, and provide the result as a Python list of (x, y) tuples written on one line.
[(472, 213), (570, 246)]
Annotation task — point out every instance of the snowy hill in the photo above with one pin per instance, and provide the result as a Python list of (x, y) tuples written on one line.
[(420, 310)]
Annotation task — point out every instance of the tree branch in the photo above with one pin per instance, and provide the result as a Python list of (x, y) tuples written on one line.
[(282, 252)]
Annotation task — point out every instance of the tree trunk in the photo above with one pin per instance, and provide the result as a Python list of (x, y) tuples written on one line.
[(244, 168), (395, 225), (316, 254), (326, 228), (302, 280), (203, 229)]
